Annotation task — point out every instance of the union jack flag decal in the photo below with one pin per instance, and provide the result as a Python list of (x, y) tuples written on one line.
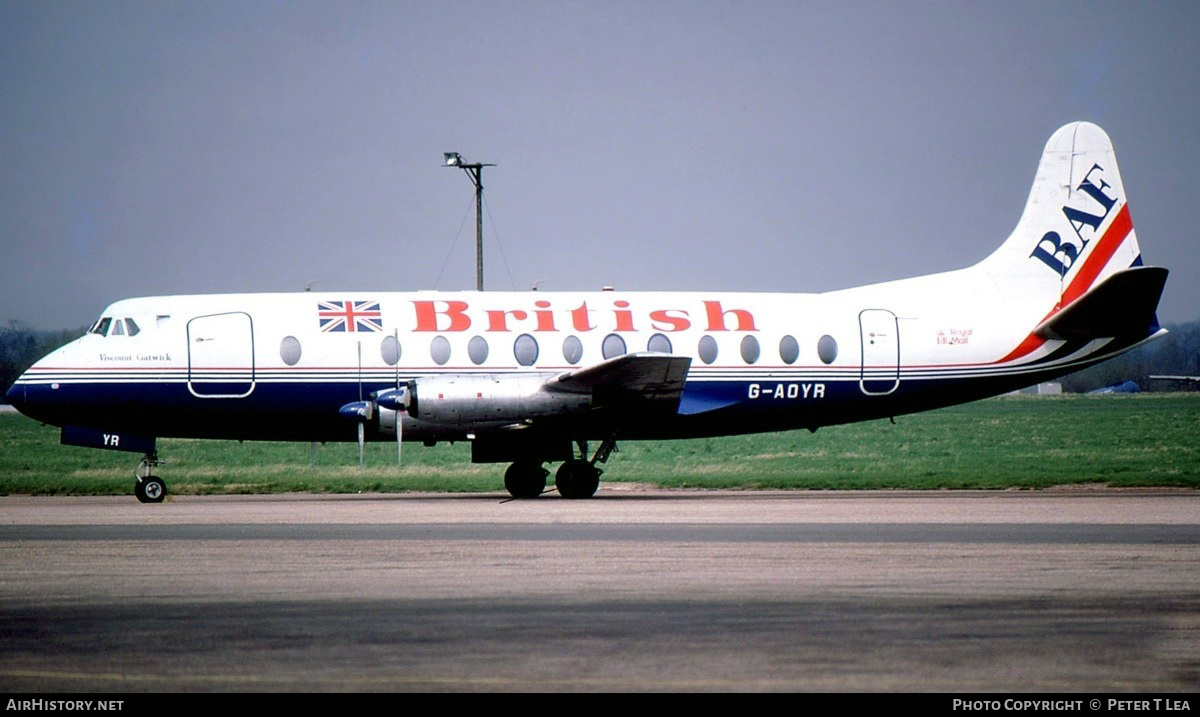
[(349, 316)]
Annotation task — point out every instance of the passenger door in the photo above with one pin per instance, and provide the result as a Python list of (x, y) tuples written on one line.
[(880, 352), (221, 355)]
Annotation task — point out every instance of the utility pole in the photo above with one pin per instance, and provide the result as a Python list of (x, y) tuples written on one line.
[(475, 172)]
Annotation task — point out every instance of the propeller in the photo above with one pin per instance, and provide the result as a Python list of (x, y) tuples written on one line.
[(396, 400), (362, 430), (360, 411), (362, 440), (399, 418)]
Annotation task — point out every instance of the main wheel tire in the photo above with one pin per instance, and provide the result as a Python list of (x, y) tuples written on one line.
[(577, 479), (525, 479), (150, 489)]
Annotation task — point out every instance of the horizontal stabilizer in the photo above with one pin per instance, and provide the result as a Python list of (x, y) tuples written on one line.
[(632, 377), (1122, 305)]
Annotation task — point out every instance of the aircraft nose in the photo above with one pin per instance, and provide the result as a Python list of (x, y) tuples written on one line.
[(15, 396)]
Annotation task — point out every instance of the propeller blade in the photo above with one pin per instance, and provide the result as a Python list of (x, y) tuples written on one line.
[(399, 418)]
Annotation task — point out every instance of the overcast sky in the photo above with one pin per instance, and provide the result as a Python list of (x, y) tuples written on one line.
[(196, 147)]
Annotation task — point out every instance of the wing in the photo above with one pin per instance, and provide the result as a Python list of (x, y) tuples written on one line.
[(628, 381)]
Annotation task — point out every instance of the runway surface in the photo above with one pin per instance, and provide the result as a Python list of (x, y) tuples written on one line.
[(634, 590)]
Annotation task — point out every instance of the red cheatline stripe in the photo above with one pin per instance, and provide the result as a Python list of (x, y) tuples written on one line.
[(1113, 237), (1030, 343), (1099, 257)]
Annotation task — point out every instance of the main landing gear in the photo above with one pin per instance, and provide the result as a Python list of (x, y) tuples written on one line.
[(525, 479), (149, 488), (576, 478)]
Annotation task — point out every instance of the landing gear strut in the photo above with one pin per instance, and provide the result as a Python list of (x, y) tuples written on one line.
[(579, 477), (149, 488)]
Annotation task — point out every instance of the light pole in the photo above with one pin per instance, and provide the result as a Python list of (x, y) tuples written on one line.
[(475, 172)]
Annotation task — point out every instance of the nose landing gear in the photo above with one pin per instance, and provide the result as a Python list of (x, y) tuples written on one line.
[(149, 488)]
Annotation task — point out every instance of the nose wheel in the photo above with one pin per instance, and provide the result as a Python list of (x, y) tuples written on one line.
[(148, 488)]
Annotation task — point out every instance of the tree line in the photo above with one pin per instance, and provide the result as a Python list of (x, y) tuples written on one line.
[(1176, 354), (20, 346)]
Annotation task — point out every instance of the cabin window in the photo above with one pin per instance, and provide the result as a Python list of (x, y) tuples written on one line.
[(131, 327), (389, 350), (289, 350), (477, 349), (118, 328), (708, 349), (613, 346), (659, 344), (439, 350), (572, 349), (789, 349), (750, 349), (525, 349), (827, 348)]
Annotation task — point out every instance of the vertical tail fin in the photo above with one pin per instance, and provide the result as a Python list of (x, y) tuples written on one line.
[(1074, 235), (1076, 229)]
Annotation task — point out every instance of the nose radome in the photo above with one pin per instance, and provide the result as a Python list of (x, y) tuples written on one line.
[(15, 395)]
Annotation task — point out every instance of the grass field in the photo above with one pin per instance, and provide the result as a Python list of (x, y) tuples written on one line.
[(1012, 442)]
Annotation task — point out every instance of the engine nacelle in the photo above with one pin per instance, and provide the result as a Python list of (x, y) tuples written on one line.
[(488, 399)]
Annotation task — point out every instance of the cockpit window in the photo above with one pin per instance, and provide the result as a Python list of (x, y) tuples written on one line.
[(109, 326), (101, 326)]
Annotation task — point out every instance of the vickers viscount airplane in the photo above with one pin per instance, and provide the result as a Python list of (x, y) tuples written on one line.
[(531, 378)]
